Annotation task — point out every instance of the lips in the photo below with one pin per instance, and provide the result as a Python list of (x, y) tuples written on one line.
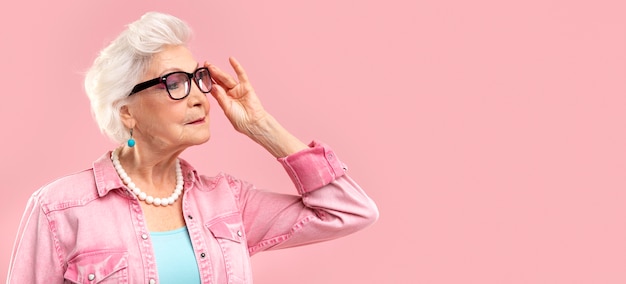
[(199, 120)]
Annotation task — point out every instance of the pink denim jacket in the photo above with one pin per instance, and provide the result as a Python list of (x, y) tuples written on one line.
[(88, 228)]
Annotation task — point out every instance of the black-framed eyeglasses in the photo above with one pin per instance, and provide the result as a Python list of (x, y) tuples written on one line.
[(178, 84)]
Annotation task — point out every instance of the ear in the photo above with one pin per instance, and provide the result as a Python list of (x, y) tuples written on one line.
[(127, 118)]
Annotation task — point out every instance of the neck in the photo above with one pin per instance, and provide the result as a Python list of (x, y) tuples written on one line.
[(153, 170)]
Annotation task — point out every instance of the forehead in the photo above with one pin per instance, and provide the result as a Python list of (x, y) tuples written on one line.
[(171, 58)]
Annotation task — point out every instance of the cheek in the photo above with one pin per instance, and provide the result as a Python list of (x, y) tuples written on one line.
[(155, 115)]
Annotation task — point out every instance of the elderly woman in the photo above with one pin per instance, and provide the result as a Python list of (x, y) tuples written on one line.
[(143, 215)]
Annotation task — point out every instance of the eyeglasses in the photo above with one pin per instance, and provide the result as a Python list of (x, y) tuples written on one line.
[(178, 84)]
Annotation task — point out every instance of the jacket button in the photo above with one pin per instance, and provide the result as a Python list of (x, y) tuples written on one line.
[(91, 276), (202, 255), (144, 236), (239, 233), (189, 216), (152, 281)]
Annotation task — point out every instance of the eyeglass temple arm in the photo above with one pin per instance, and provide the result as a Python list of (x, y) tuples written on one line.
[(142, 86)]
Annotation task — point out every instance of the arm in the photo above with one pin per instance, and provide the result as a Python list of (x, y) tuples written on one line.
[(34, 258), (330, 204)]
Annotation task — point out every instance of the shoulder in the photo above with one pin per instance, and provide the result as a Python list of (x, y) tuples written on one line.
[(223, 182), (74, 189), (220, 180)]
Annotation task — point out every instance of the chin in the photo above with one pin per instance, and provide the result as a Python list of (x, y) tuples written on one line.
[(192, 142), (195, 138), (203, 139)]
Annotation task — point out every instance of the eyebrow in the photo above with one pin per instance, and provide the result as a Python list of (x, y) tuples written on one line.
[(176, 69)]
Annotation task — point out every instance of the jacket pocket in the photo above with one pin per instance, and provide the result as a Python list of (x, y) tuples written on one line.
[(228, 231), (102, 266)]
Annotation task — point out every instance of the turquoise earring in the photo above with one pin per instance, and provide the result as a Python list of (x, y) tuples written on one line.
[(131, 141)]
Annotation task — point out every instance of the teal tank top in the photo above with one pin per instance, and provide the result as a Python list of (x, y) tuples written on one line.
[(175, 259)]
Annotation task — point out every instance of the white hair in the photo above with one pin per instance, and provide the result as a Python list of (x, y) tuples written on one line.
[(121, 64)]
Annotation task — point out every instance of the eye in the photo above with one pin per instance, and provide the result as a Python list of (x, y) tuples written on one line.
[(173, 86), (175, 81)]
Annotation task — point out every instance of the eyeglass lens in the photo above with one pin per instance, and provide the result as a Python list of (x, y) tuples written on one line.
[(178, 84), (203, 79)]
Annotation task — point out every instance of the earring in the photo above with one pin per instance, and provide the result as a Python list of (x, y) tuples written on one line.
[(131, 141)]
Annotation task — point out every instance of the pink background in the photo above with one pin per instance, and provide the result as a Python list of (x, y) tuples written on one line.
[(491, 135)]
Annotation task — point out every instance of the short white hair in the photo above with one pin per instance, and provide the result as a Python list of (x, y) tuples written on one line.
[(121, 64)]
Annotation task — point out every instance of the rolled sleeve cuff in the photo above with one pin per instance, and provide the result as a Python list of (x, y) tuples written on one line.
[(313, 168)]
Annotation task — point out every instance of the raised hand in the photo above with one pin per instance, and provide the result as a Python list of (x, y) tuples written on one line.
[(237, 98), (244, 111)]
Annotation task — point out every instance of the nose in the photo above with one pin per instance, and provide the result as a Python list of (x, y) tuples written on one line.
[(196, 96)]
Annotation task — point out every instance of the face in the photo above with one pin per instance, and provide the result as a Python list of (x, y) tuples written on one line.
[(160, 122)]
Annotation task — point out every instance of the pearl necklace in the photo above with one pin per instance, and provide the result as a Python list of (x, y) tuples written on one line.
[(142, 195)]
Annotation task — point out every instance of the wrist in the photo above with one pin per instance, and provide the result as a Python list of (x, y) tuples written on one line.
[(272, 136)]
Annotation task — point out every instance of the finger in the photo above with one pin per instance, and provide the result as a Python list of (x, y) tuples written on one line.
[(221, 77), (241, 73), (220, 95)]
